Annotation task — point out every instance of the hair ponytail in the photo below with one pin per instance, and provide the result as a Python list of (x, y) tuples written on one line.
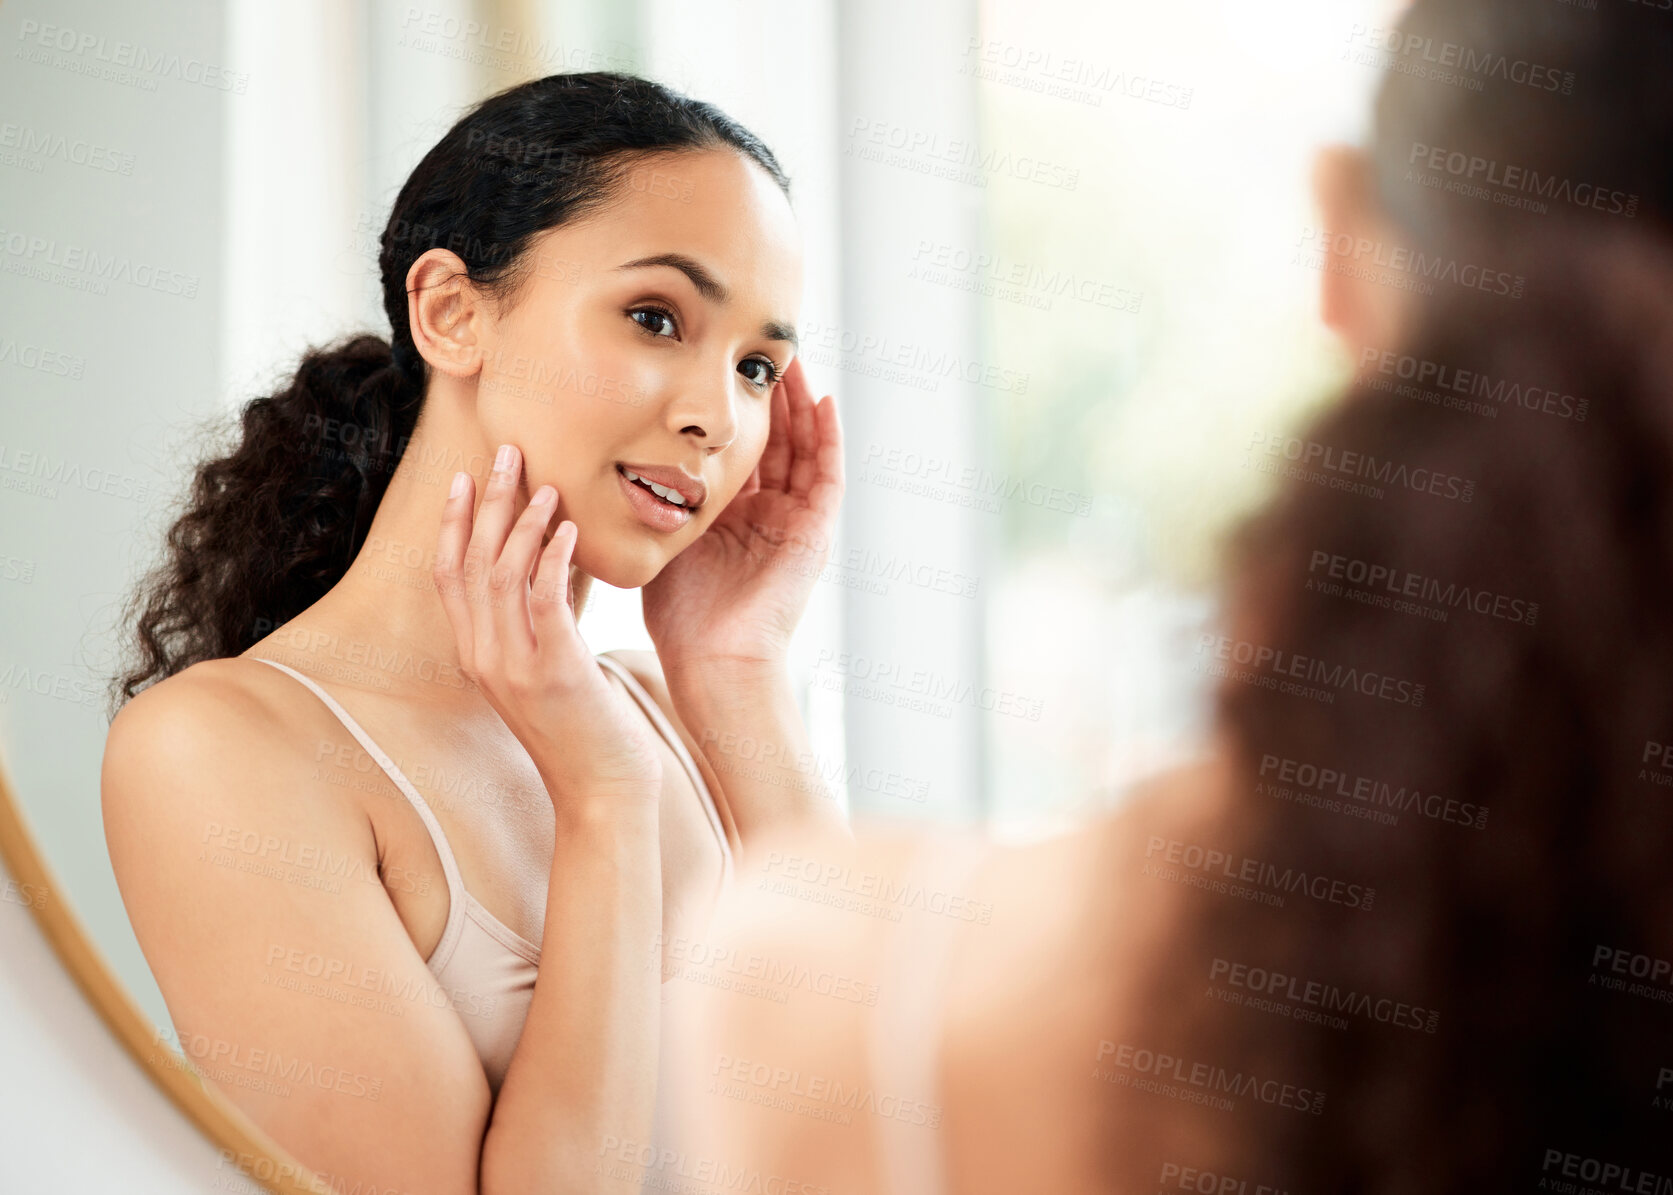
[(268, 529)]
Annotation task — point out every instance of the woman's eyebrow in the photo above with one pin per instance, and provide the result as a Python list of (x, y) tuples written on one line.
[(712, 289)]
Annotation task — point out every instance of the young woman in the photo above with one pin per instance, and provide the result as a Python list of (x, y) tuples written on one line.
[(1389, 939), (403, 855)]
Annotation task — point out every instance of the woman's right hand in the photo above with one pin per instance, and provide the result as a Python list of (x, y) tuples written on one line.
[(508, 602)]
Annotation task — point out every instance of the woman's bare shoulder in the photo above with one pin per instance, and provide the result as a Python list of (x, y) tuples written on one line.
[(211, 742), (224, 706)]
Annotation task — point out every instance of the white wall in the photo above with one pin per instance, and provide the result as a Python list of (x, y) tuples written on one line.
[(78, 1113), (116, 272)]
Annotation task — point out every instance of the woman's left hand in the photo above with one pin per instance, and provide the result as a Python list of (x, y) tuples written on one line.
[(733, 597)]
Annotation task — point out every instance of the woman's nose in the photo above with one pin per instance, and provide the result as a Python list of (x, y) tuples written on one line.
[(704, 405)]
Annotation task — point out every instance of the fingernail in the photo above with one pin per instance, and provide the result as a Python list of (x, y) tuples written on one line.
[(459, 480), (542, 496), (502, 459)]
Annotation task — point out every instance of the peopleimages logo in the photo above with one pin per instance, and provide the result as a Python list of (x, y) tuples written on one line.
[(1473, 384), (1207, 1182), (1325, 567), (1606, 1176), (816, 1095), (707, 962), (908, 470), (1201, 1082), (677, 1170), (34, 145), (958, 159), (1262, 659), (1219, 865), (1278, 772), (42, 360), (1353, 468), (1325, 997), (120, 61), (1424, 57), (889, 892), (1473, 170), (1070, 78), (43, 257), (931, 366), (1404, 262)]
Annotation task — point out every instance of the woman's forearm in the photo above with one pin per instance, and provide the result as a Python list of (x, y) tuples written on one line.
[(747, 724), (584, 1071)]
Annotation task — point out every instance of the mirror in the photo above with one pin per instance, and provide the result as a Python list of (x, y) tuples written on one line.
[(193, 199)]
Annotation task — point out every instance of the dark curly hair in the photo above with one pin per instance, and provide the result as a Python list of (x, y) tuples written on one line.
[(268, 529), (1454, 736)]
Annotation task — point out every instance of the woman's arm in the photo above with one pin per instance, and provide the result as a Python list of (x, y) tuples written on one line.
[(293, 985), (749, 730), (583, 1075)]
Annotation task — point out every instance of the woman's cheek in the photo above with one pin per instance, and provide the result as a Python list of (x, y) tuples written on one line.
[(760, 431), (639, 378)]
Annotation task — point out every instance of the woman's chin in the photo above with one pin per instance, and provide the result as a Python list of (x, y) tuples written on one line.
[(628, 566)]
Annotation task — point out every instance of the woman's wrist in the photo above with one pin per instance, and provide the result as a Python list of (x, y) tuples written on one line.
[(718, 681), (632, 810)]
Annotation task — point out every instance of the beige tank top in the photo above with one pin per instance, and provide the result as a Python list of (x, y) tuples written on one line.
[(487, 969)]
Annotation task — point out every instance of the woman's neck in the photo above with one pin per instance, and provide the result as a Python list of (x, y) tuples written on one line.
[(385, 614)]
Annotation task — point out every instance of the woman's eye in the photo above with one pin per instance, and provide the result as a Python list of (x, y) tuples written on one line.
[(766, 372), (657, 319)]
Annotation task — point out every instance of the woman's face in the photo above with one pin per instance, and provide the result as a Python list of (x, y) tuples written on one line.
[(648, 334)]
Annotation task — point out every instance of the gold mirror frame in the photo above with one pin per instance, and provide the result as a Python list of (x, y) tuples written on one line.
[(255, 1155)]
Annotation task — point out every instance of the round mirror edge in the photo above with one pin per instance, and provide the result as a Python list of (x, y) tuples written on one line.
[(256, 1156)]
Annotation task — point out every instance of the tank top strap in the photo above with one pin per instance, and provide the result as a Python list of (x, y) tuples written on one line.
[(677, 745), (456, 901)]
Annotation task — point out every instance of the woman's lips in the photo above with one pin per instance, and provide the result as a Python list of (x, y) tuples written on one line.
[(651, 510)]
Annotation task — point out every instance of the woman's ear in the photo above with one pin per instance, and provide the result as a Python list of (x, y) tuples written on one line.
[(447, 313), (1365, 311)]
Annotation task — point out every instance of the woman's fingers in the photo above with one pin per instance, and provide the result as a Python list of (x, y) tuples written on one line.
[(449, 570), (775, 459), (493, 520), (461, 572), (814, 440), (549, 612), (485, 560), (508, 580), (804, 439), (824, 493)]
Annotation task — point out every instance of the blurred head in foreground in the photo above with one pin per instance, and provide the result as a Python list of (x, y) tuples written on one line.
[(1447, 701)]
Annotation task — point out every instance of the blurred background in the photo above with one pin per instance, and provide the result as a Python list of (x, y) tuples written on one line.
[(1053, 281)]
